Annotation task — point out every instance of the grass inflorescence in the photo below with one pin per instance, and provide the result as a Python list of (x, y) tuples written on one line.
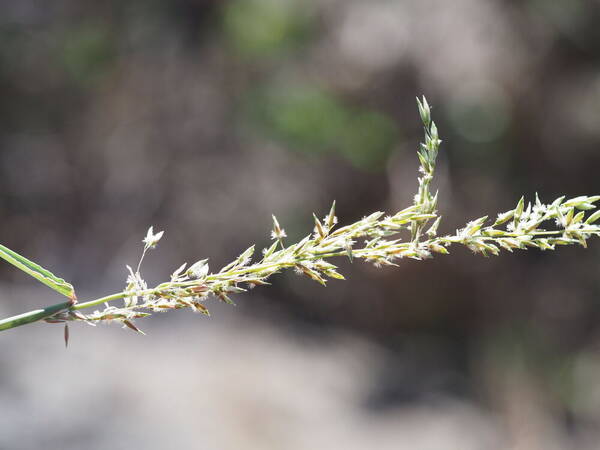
[(377, 238)]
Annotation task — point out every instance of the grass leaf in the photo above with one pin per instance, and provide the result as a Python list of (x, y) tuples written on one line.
[(37, 272)]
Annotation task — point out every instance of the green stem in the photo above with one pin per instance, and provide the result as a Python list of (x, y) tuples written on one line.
[(107, 299), (40, 314), (32, 316)]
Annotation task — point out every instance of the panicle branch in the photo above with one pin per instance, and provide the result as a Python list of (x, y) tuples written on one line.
[(377, 238)]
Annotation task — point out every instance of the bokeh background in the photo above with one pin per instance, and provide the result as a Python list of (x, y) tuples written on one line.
[(204, 117)]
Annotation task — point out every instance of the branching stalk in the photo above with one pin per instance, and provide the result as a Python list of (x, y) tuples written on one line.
[(376, 238)]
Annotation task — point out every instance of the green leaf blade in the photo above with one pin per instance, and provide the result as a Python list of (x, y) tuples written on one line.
[(39, 273)]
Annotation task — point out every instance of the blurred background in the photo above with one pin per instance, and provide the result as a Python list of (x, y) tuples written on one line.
[(204, 117)]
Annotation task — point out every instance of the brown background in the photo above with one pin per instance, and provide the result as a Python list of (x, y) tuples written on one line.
[(204, 117)]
